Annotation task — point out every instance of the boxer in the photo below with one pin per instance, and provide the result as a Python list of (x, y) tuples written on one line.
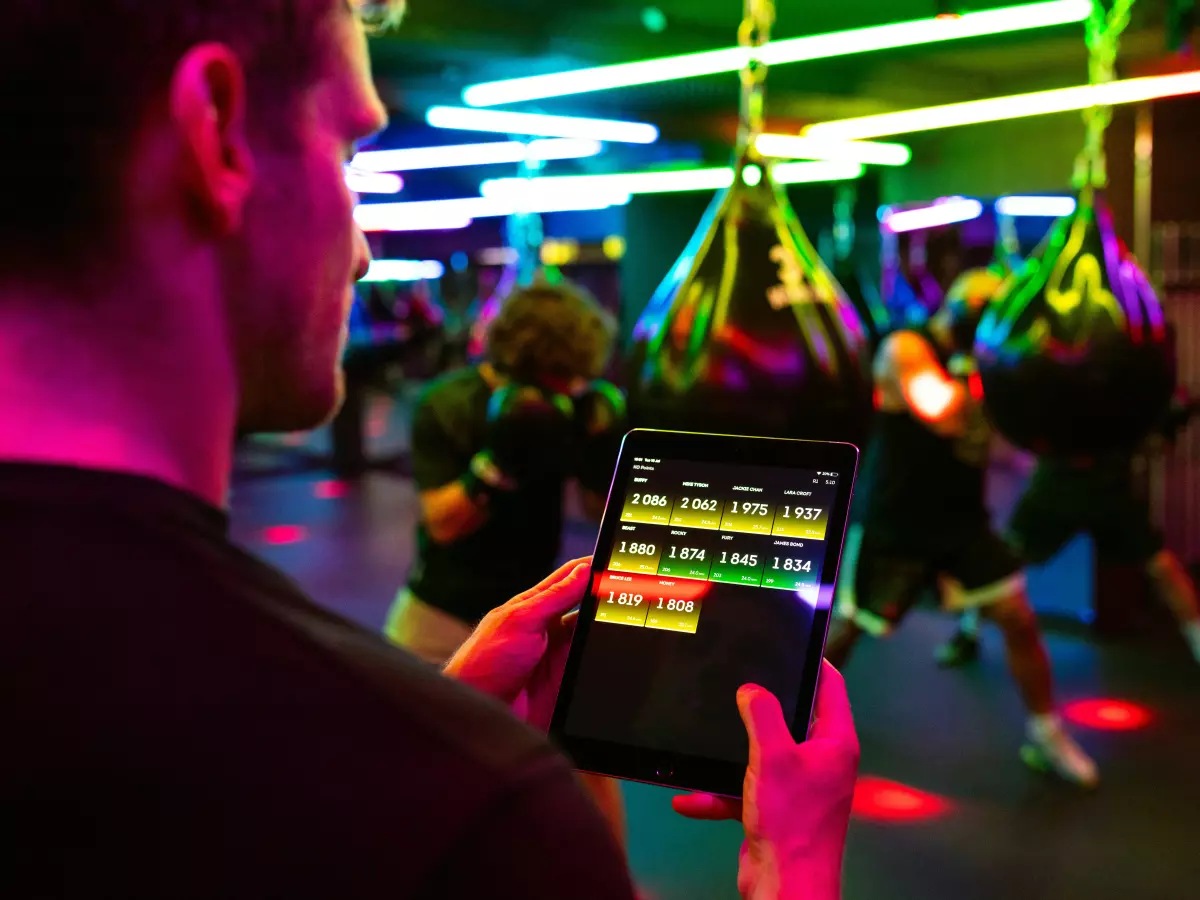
[(1094, 495), (924, 518), (493, 446)]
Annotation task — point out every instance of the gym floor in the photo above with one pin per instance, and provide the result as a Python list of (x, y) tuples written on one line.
[(944, 808)]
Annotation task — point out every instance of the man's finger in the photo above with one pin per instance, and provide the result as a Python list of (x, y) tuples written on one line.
[(834, 719), (764, 720), (563, 571), (542, 609), (707, 807)]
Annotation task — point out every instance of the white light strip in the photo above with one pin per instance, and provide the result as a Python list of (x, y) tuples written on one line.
[(627, 182), (807, 172), (496, 152), (404, 270), (362, 182), (782, 146), (670, 181), (1053, 207), (434, 215), (395, 217), (791, 50), (467, 119), (947, 212), (1016, 106)]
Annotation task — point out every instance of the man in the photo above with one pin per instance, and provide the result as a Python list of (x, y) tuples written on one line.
[(1096, 496), (493, 446), (179, 719), (924, 518)]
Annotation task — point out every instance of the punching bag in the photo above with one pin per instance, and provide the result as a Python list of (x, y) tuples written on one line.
[(750, 333), (1073, 353)]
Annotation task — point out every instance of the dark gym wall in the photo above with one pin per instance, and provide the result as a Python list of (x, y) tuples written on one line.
[(657, 228), (1017, 156)]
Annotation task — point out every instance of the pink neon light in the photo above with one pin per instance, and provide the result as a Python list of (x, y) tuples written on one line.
[(281, 535), (330, 490)]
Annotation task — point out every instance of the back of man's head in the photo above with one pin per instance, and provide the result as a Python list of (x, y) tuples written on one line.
[(79, 77), (174, 174)]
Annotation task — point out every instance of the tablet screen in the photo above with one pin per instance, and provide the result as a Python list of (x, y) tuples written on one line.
[(711, 580)]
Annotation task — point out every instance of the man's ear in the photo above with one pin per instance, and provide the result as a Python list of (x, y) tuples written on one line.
[(208, 108)]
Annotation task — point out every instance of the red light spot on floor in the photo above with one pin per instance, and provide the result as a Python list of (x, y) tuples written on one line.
[(1108, 715), (377, 428), (294, 439), (880, 800), (330, 490), (278, 535)]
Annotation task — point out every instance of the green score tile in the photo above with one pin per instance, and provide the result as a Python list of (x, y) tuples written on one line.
[(736, 566), (789, 572), (685, 554)]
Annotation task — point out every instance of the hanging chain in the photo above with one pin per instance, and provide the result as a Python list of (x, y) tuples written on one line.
[(754, 32), (1102, 32), (524, 232)]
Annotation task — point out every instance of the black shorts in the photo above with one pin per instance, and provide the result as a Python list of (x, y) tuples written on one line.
[(888, 582), (1060, 504)]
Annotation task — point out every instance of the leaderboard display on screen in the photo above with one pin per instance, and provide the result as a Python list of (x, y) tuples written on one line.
[(685, 526)]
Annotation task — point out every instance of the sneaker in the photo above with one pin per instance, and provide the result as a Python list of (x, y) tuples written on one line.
[(961, 649), (1050, 749)]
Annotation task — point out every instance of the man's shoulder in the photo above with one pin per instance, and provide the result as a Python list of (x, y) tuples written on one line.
[(452, 722), (373, 690)]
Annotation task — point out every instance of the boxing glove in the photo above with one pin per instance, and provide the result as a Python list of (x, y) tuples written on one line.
[(601, 421), (529, 440)]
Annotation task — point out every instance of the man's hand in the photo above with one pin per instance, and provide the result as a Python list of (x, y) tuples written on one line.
[(519, 651), (796, 799)]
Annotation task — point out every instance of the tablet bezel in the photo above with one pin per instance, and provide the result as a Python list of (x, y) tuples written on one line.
[(676, 770)]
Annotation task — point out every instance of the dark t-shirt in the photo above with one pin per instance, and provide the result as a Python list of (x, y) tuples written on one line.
[(921, 491), (515, 548), (180, 721)]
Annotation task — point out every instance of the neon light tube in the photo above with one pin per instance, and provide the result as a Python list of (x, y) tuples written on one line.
[(783, 146), (404, 270), (411, 158), (810, 172), (955, 209), (466, 119), (437, 215), (818, 46), (1036, 206), (386, 217), (627, 182), (995, 109), (671, 181), (373, 182)]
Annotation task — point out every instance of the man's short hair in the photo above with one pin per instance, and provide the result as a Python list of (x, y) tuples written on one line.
[(78, 77), (551, 331)]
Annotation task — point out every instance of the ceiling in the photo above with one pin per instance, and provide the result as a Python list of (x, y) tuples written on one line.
[(445, 46)]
